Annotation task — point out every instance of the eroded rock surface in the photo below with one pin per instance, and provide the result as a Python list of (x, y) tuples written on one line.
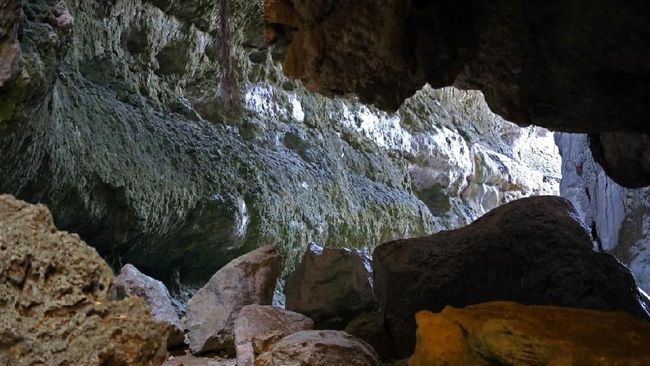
[(532, 251), (54, 299), (259, 327), (212, 311), (120, 123), (155, 294), (319, 348), (617, 217), (531, 60), (331, 286), (513, 334)]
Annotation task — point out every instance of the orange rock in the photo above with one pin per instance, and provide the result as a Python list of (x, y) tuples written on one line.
[(505, 333)]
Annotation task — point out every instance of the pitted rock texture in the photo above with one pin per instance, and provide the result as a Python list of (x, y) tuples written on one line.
[(319, 348), (507, 333), (331, 286), (155, 294), (531, 251), (259, 327), (119, 122), (531, 59), (54, 299), (618, 218), (212, 311)]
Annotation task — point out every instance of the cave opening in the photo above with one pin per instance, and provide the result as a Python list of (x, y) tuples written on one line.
[(332, 182)]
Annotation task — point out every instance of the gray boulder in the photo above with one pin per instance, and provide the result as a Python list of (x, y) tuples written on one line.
[(211, 312), (319, 348), (155, 294), (331, 286), (531, 251), (258, 327)]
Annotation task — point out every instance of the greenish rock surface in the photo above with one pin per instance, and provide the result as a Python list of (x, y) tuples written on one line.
[(120, 124)]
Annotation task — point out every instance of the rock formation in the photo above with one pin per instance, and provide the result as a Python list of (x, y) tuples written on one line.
[(576, 67), (331, 286), (258, 327), (512, 334), (155, 294), (118, 122), (319, 348), (618, 218), (531, 251), (212, 311), (54, 291)]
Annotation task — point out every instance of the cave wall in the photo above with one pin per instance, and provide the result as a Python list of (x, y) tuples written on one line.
[(119, 120), (618, 217), (578, 66)]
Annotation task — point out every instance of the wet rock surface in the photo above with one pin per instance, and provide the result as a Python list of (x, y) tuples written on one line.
[(617, 217), (258, 328), (514, 334), (331, 286), (54, 292), (531, 251), (319, 348), (530, 60), (155, 294), (212, 311)]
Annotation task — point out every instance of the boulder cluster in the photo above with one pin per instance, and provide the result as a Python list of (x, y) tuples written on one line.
[(342, 307)]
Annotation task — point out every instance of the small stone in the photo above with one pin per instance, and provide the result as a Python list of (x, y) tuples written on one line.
[(155, 294), (331, 286), (211, 312), (258, 327), (319, 348)]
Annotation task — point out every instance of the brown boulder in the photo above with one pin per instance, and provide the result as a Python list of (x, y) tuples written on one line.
[(258, 327), (331, 286), (54, 295), (507, 333), (211, 312), (319, 348), (532, 251)]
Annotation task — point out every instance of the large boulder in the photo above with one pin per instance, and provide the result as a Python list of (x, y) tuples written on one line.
[(55, 295), (506, 333), (532, 251), (258, 327), (319, 348), (155, 294), (331, 285), (211, 312)]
